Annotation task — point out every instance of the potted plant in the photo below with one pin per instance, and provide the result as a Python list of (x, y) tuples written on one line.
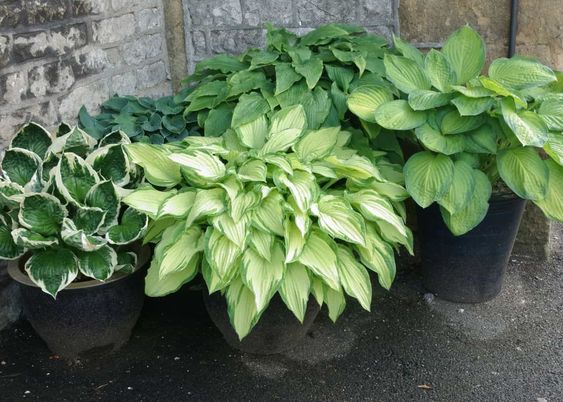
[(270, 212), (69, 239), (482, 151)]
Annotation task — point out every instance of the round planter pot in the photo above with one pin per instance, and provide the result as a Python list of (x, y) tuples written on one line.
[(277, 330), (89, 316), (468, 268)]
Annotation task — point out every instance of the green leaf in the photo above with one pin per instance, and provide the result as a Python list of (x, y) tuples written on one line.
[(285, 77), (261, 276), (428, 177), (246, 81), (317, 144), (200, 166), (42, 213), (104, 197), (527, 126), (235, 231), (520, 73), (354, 277), (268, 216), (30, 240), (156, 286), (132, 226), (335, 301), (425, 100), (158, 168), (242, 309), (499, 89), (79, 239), (89, 219), (552, 204), (253, 134), (177, 250), (434, 140), (218, 121), (52, 269), (74, 178), (223, 63), (461, 189), (551, 111), (343, 76), (473, 91), (99, 264), (364, 100), (311, 69), (398, 115), (111, 163), (467, 106), (253, 171), (34, 138), (222, 255), (323, 34), (249, 108), (9, 250), (319, 255), (303, 186), (177, 206), (474, 211), (453, 123), (147, 200), (294, 289), (524, 172), (317, 107), (554, 147), (405, 74), (337, 218), (378, 256), (21, 166), (206, 203), (465, 50), (481, 140), (126, 262), (439, 70), (408, 50), (287, 125)]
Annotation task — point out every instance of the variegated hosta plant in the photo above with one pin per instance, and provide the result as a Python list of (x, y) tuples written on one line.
[(60, 200), (475, 132), (271, 208)]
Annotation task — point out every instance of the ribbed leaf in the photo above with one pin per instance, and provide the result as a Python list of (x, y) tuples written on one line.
[(398, 115), (434, 140), (551, 111), (147, 200), (294, 241), (524, 172), (554, 147), (405, 74), (335, 301), (461, 189), (30, 240), (424, 99), (467, 106), (354, 277), (156, 286), (439, 71), (527, 126), (179, 247), (428, 177), (158, 168), (454, 123), (319, 256), (465, 51), (21, 166), (408, 50), (34, 138), (379, 257), (235, 231), (207, 203), (221, 254), (74, 178), (286, 128), (131, 227), (253, 134), (177, 206), (481, 140), (317, 144), (42, 213), (303, 186), (262, 243), (253, 170), (520, 72), (52, 269), (285, 77), (337, 218), (99, 264), (364, 100), (242, 309), (294, 289), (312, 70), (268, 216), (552, 204), (200, 166)]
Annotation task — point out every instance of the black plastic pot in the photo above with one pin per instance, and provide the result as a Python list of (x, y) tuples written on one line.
[(86, 317), (277, 330), (468, 268)]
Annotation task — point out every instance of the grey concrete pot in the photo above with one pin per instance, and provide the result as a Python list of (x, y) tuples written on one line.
[(87, 317)]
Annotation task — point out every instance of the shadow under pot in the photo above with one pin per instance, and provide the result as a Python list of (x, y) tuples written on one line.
[(468, 268), (88, 316), (277, 330)]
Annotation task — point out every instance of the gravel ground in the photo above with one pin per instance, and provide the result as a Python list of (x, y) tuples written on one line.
[(412, 347)]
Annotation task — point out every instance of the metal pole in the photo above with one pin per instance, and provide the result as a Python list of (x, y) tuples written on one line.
[(513, 28)]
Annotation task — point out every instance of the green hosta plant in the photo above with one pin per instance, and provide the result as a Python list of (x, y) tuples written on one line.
[(271, 207), (60, 200), (476, 132)]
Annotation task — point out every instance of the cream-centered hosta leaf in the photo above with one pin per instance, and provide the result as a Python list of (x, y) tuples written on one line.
[(378, 256), (206, 203), (148, 200), (319, 255), (241, 307), (200, 165), (354, 277), (286, 128), (294, 289), (159, 169), (317, 144), (294, 241), (177, 206), (337, 218)]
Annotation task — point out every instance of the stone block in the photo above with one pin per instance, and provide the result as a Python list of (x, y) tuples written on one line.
[(151, 75), (5, 50), (55, 42), (119, 5), (157, 91), (89, 61), (383, 30), (215, 13), (13, 87), (258, 12), (317, 12), (89, 7), (148, 19), (49, 79), (114, 29), (146, 47), (91, 96), (236, 41), (124, 84), (32, 12), (372, 11), (44, 113), (199, 43)]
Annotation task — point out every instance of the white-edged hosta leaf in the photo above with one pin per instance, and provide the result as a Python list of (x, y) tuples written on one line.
[(159, 169), (111, 163), (365, 99), (32, 137), (74, 178), (148, 200), (398, 115), (222, 255), (552, 204), (551, 111), (465, 51), (235, 231), (126, 262), (77, 141), (434, 140), (30, 240), (253, 170), (241, 307), (527, 126), (268, 216), (89, 219), (261, 276), (474, 211), (42, 213), (337, 218), (428, 177), (115, 137), (206, 203), (104, 197), (52, 269), (520, 73), (79, 239), (424, 99), (454, 123), (99, 264), (287, 125), (467, 106), (132, 226), (354, 277), (439, 71), (405, 73), (335, 301), (554, 147), (11, 194), (9, 250), (177, 206), (524, 172), (262, 243), (200, 165), (294, 289), (461, 189), (21, 166), (378, 256), (319, 256), (316, 144), (156, 286)]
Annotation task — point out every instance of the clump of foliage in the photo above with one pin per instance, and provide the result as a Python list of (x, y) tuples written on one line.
[(60, 201), (142, 119), (272, 206), (474, 131)]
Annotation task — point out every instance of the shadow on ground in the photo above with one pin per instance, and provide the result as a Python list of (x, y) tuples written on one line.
[(411, 347)]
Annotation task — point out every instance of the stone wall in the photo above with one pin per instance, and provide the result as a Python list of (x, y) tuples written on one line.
[(231, 26), (56, 55)]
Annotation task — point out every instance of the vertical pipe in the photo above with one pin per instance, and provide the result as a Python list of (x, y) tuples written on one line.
[(513, 28)]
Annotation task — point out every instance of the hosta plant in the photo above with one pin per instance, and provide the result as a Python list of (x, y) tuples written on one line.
[(475, 132), (60, 200), (270, 207)]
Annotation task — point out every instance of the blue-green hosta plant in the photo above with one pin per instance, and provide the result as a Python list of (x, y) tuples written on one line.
[(60, 199), (475, 132), (270, 207)]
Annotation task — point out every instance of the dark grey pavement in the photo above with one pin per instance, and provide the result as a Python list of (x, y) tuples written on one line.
[(410, 348)]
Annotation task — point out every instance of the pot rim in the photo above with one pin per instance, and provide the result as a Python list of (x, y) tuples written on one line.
[(17, 274)]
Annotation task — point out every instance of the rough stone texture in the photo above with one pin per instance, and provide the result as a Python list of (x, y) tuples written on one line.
[(232, 26), (56, 55)]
